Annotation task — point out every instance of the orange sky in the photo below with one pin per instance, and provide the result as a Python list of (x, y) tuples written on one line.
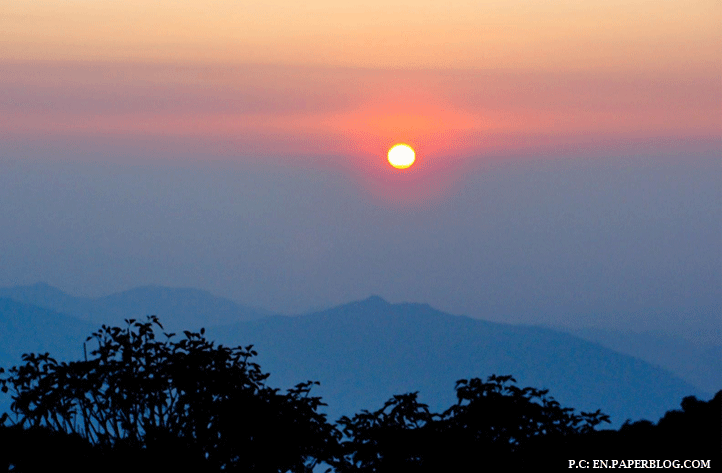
[(351, 78), (516, 34), (566, 151)]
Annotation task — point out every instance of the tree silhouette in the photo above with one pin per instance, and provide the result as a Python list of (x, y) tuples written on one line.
[(209, 403), (695, 431), (393, 438), (143, 404), (494, 420)]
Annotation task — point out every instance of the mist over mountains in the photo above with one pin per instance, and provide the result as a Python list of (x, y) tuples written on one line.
[(366, 351)]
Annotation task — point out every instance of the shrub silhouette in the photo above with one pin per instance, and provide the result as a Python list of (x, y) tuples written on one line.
[(695, 431), (142, 404), (493, 422), (393, 438), (207, 403)]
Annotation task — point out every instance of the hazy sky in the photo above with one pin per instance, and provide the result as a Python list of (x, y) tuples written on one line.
[(568, 154)]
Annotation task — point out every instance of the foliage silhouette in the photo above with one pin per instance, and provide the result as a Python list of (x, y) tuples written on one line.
[(143, 404), (393, 438), (695, 431), (493, 419), (139, 393)]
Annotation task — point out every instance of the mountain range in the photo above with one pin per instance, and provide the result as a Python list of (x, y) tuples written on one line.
[(362, 352), (179, 308)]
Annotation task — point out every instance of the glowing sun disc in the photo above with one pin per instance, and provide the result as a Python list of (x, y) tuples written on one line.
[(401, 156)]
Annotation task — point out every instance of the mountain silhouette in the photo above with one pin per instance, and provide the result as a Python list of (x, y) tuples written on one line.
[(697, 363), (178, 308), (366, 351), (362, 352), (25, 328)]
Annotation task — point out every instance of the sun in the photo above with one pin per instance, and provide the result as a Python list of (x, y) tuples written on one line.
[(401, 156)]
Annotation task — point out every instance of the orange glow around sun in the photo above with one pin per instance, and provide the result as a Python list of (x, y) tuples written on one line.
[(420, 119)]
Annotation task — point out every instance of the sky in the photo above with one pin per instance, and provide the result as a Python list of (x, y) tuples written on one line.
[(568, 154)]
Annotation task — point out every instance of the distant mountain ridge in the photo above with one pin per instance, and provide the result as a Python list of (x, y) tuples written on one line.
[(366, 351), (178, 308), (186, 308), (362, 352), (25, 328), (698, 364)]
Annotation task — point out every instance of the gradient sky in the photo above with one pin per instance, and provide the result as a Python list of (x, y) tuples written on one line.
[(568, 154)]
